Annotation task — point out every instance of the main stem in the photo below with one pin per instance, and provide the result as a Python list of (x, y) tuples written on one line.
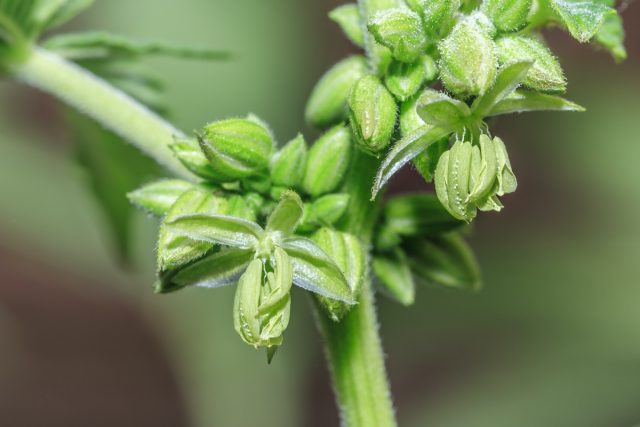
[(353, 347), (109, 106)]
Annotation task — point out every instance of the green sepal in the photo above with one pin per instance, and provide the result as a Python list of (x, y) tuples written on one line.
[(506, 82), (188, 151), (347, 16), (545, 75), (611, 36), (507, 15), (583, 19), (372, 114), (327, 104), (400, 30), (404, 151), (237, 148), (100, 45), (393, 272), (507, 182), (157, 197), (523, 101), (287, 214), (414, 215), (444, 260), (176, 249), (216, 229), (404, 79), (349, 255), (315, 271), (328, 161), (438, 109), (288, 165), (247, 299)]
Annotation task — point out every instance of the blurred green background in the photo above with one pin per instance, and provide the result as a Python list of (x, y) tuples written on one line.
[(552, 340)]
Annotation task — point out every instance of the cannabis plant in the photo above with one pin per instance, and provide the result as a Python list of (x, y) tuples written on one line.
[(244, 211)]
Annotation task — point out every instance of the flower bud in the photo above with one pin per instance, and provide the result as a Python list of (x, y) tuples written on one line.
[(237, 148), (401, 31), (328, 161), (404, 79), (507, 15), (348, 17), (288, 164), (437, 15), (468, 64), (158, 196), (327, 210), (349, 255), (188, 151), (545, 74), (328, 100), (453, 179), (372, 113)]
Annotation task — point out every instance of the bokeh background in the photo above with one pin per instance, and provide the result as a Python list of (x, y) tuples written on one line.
[(553, 339)]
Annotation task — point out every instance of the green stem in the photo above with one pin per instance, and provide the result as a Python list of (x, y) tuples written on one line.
[(353, 347), (109, 106)]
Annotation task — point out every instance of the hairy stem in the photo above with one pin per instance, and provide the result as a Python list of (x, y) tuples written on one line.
[(109, 106), (353, 347)]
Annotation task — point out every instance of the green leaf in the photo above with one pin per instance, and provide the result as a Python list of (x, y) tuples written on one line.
[(404, 151), (219, 229), (98, 45), (287, 214), (349, 255), (611, 37), (507, 80), (445, 260), (315, 271), (157, 197), (215, 270), (347, 16), (582, 18), (439, 109), (393, 272), (523, 101)]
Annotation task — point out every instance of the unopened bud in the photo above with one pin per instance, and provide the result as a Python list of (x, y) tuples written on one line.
[(401, 31), (507, 15), (404, 79), (288, 164), (328, 161)]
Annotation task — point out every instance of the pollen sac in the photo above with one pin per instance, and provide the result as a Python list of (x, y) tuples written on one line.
[(288, 164), (507, 15), (328, 100), (372, 113), (404, 79), (545, 74), (237, 148), (468, 64), (471, 177), (437, 15), (401, 31), (328, 161)]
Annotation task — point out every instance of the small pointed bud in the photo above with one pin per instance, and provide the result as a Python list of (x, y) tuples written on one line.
[(158, 196), (436, 14), (327, 210), (507, 15), (188, 151), (237, 148), (347, 16), (468, 64), (545, 74), (328, 161), (288, 164), (404, 79), (372, 113), (327, 104), (349, 255), (401, 31)]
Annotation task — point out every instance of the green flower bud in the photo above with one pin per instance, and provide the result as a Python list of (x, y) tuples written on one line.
[(157, 197), (188, 151), (507, 15), (404, 79), (327, 162), (372, 113), (468, 64), (349, 255), (453, 179), (437, 15), (484, 22), (545, 74), (401, 31), (328, 100), (237, 148), (288, 164), (327, 210), (348, 17)]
